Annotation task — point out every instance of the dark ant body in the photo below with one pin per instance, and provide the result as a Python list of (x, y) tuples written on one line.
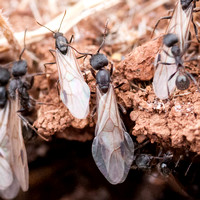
[(98, 60), (60, 41), (20, 83), (4, 79), (185, 3), (184, 77)]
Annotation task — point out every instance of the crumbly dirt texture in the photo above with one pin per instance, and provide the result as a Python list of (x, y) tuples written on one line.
[(173, 123)]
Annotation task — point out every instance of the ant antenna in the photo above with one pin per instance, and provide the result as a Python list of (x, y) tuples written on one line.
[(20, 56), (45, 27), (104, 37), (62, 20), (85, 54)]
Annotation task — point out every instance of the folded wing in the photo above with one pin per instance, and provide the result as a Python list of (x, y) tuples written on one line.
[(74, 92), (112, 147)]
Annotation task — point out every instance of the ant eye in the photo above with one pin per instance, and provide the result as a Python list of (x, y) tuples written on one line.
[(182, 82)]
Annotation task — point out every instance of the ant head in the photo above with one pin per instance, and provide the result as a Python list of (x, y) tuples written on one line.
[(4, 76), (57, 34), (103, 80), (19, 68), (170, 39), (98, 61), (143, 161), (182, 82), (186, 3)]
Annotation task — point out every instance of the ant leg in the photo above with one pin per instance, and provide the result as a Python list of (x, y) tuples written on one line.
[(38, 102), (164, 63), (31, 126), (197, 9), (121, 107), (51, 51), (168, 54), (169, 80), (172, 75), (84, 74), (166, 17), (72, 37), (57, 82), (111, 68), (118, 86), (194, 80), (81, 57), (45, 66), (190, 165), (195, 29), (93, 72), (94, 110)]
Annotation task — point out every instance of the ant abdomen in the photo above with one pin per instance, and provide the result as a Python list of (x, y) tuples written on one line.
[(182, 82)]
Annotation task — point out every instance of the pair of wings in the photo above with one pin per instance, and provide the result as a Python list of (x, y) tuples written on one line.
[(74, 92), (13, 158), (179, 25), (112, 147)]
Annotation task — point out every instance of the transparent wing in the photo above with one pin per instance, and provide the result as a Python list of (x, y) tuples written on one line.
[(18, 161), (4, 113), (12, 191), (179, 25), (5, 174), (112, 147), (5, 169), (74, 92)]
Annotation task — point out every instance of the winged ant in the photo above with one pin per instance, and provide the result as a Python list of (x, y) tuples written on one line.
[(74, 92), (183, 77)]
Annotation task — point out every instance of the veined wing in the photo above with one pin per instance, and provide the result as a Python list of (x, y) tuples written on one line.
[(12, 191), (74, 92), (112, 147), (5, 169), (19, 161), (179, 25)]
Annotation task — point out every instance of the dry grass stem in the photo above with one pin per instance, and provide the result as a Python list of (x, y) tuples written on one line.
[(74, 15), (11, 42)]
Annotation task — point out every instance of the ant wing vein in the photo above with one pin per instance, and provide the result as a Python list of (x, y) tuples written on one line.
[(179, 25), (5, 169), (19, 161), (112, 147), (163, 87), (74, 92)]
